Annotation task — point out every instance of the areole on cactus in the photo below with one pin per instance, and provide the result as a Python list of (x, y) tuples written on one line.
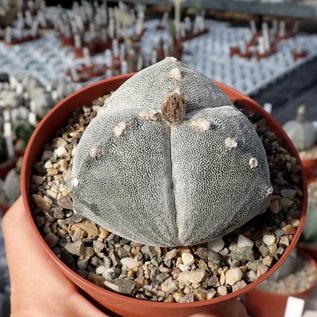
[(169, 161)]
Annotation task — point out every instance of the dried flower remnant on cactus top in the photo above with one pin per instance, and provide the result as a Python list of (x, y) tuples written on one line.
[(176, 165)]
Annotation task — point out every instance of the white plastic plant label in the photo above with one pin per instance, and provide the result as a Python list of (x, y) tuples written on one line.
[(294, 307)]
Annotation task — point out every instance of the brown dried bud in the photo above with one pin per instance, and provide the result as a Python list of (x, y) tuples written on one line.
[(173, 108)]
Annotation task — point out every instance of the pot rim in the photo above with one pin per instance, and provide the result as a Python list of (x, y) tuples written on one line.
[(27, 165)]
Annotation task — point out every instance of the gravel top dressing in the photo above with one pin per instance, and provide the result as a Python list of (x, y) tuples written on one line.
[(310, 154), (182, 274)]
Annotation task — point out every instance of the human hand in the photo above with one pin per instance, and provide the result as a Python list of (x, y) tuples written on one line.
[(40, 289)]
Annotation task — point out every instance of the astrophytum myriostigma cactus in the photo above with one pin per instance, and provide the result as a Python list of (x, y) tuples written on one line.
[(170, 161)]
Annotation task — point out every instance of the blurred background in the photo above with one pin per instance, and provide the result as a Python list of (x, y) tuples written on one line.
[(266, 49)]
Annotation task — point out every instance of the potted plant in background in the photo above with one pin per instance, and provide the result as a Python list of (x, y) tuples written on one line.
[(303, 135), (309, 236), (296, 277), (194, 190)]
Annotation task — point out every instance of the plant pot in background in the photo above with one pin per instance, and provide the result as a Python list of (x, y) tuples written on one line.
[(262, 304), (123, 305), (310, 168)]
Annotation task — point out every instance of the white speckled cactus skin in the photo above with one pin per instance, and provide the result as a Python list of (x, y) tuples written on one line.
[(182, 181)]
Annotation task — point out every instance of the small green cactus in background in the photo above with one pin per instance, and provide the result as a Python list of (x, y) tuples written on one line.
[(169, 161), (23, 131)]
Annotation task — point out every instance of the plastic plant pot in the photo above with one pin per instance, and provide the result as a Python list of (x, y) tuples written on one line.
[(310, 167), (117, 303), (263, 304)]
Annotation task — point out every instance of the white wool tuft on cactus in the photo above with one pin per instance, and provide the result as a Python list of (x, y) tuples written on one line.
[(177, 163)]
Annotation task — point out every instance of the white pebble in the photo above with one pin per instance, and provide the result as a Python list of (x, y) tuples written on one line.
[(244, 242), (268, 239), (191, 277), (233, 276), (129, 263), (253, 162), (187, 258), (216, 245), (184, 267), (230, 143)]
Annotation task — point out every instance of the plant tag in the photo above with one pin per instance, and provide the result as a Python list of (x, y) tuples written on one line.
[(294, 307)]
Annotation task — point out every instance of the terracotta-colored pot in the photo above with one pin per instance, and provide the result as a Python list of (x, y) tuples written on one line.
[(263, 304), (308, 248), (310, 168), (120, 304)]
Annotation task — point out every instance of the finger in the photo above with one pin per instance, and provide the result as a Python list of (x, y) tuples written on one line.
[(33, 274)]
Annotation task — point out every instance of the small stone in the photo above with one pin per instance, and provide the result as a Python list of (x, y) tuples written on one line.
[(88, 252), (275, 206), (216, 245), (191, 277), (170, 255), (140, 280), (122, 286), (267, 260), (90, 228), (286, 203), (96, 279), (233, 276), (295, 223), (238, 286), (100, 269), (103, 233), (245, 253), (98, 246), (38, 180), (188, 258), (201, 253), (222, 290), (244, 242), (263, 250), (211, 294), (41, 202), (261, 270), (122, 253), (65, 202), (268, 239), (284, 240), (272, 249), (129, 263), (51, 239), (289, 229), (253, 265), (108, 274), (78, 235), (251, 276), (214, 257), (184, 268), (200, 294), (82, 263), (279, 232), (169, 285), (75, 248), (288, 193)]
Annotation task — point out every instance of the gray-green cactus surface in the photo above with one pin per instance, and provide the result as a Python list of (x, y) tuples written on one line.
[(170, 161)]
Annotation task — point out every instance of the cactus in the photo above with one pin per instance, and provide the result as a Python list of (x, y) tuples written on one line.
[(301, 132), (170, 161)]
